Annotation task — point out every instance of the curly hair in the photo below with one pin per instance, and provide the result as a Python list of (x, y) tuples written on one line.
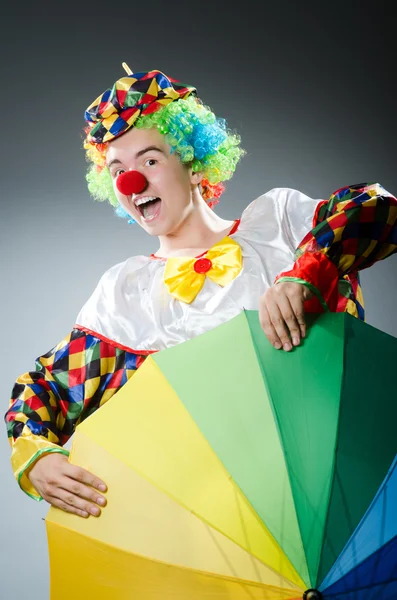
[(192, 130)]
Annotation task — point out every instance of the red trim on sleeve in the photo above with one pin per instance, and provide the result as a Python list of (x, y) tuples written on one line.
[(112, 342), (317, 269)]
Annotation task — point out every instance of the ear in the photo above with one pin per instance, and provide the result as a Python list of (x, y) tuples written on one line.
[(196, 178)]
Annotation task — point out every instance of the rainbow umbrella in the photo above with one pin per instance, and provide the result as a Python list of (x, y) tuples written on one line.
[(239, 472)]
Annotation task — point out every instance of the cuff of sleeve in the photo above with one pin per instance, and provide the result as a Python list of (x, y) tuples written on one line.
[(320, 275), (26, 450)]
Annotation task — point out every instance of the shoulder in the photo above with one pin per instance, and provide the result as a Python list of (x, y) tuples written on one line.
[(278, 205), (122, 269), (109, 289)]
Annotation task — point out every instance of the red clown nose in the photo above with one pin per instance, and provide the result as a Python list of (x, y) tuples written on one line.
[(131, 182)]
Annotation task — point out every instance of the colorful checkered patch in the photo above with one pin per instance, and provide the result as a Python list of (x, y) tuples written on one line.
[(116, 110), (70, 382), (355, 228)]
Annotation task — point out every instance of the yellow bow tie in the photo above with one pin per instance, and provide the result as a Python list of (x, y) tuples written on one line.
[(184, 277)]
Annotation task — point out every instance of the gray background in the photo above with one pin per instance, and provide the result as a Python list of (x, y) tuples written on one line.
[(309, 86)]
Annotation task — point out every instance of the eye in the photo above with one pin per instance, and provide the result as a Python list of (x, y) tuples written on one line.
[(119, 172), (153, 161)]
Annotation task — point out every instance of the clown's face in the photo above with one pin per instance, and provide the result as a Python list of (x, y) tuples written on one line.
[(172, 186)]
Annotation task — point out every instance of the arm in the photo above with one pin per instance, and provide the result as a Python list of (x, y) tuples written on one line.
[(70, 382), (355, 228)]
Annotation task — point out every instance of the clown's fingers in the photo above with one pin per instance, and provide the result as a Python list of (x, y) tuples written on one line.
[(273, 324)]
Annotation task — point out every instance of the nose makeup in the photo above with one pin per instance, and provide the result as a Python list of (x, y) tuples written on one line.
[(131, 182)]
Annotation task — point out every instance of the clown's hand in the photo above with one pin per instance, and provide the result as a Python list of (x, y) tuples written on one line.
[(66, 486), (281, 314)]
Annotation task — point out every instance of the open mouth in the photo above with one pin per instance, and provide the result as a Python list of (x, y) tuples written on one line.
[(149, 207)]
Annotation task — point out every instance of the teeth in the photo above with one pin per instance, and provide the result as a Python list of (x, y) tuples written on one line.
[(145, 200)]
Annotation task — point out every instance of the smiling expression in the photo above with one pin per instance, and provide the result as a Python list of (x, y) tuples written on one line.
[(168, 199)]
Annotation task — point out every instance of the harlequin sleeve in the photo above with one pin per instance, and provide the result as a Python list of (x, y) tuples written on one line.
[(69, 383), (352, 230)]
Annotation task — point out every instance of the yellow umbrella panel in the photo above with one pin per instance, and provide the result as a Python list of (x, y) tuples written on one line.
[(147, 546)]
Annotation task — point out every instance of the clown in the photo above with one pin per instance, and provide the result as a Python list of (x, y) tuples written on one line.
[(159, 156)]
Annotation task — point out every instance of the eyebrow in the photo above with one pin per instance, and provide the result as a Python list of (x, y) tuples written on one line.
[(137, 155)]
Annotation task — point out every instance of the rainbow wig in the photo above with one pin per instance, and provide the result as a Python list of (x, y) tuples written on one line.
[(191, 129)]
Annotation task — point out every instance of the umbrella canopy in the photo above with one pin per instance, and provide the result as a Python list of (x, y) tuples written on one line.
[(236, 471)]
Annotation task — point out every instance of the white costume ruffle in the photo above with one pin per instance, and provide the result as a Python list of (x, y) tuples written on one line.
[(132, 307)]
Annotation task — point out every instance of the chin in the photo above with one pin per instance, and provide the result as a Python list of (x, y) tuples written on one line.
[(156, 229)]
